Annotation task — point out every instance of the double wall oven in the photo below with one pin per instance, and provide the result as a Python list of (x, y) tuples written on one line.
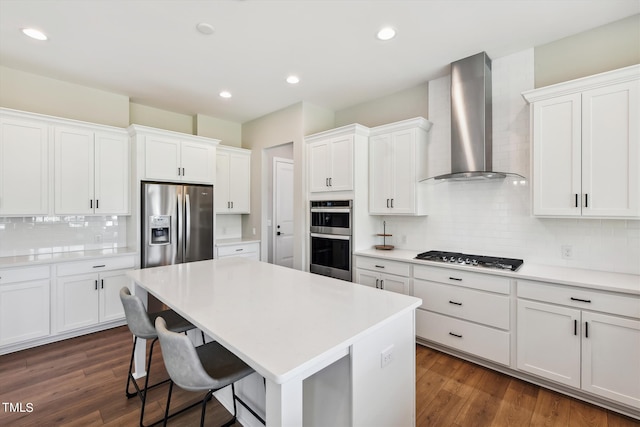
[(331, 233)]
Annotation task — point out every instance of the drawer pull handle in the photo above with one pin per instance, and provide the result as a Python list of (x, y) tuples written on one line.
[(580, 300), (379, 266), (455, 303), (99, 266), (455, 335), (239, 250), (455, 278)]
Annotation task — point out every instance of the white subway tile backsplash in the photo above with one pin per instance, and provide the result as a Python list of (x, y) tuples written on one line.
[(44, 234)]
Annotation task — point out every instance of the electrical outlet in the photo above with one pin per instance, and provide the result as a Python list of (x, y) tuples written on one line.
[(97, 238), (386, 356), (567, 251)]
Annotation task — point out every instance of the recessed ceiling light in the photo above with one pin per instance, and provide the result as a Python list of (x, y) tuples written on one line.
[(293, 79), (205, 28), (386, 33), (225, 94), (34, 34)]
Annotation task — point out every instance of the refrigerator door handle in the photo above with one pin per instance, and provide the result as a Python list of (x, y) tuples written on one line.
[(187, 227), (180, 229)]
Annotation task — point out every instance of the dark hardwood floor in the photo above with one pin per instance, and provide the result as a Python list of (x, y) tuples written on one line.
[(80, 382)]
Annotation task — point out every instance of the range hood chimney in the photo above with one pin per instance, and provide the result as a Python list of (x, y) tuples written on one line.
[(471, 120)]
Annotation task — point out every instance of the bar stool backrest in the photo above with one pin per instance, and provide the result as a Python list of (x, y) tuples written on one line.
[(137, 317)]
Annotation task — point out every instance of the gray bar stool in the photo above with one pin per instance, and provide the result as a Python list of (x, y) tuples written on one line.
[(141, 325), (208, 367)]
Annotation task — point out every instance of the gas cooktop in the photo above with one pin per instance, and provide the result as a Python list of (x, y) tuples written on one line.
[(473, 260)]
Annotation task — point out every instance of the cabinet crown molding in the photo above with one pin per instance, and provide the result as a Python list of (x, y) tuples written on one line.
[(230, 149), (146, 130), (58, 121), (352, 129), (585, 83), (416, 122)]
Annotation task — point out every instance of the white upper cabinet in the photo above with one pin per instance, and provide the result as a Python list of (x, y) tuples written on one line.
[(24, 166), (586, 146), (233, 180), (91, 171), (330, 157), (397, 162), (172, 156)]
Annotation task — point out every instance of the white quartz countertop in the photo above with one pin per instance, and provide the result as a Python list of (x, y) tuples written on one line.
[(50, 258), (592, 279), (236, 241), (279, 320)]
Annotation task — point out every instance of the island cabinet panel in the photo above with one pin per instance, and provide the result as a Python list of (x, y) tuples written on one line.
[(24, 304), (586, 339), (384, 365), (586, 146), (24, 166)]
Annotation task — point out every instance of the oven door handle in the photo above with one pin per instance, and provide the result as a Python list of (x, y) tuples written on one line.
[(331, 210), (331, 236)]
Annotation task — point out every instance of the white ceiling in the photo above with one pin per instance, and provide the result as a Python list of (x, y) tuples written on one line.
[(150, 50)]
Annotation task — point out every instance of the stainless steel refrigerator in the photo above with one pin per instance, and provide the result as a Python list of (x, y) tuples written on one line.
[(177, 225)]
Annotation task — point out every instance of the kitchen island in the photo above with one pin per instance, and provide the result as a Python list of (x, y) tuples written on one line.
[(331, 352)]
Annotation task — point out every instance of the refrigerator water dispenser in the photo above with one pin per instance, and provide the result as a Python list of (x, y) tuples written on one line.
[(160, 229)]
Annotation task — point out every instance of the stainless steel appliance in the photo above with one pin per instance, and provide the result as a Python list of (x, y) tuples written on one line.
[(331, 230), (471, 121), (473, 260), (177, 225)]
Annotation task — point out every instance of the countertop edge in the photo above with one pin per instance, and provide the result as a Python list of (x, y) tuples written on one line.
[(57, 257), (583, 278), (235, 241)]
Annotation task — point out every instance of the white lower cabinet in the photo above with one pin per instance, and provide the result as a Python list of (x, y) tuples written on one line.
[(92, 297), (581, 338), (459, 312), (24, 304), (249, 250), (382, 274)]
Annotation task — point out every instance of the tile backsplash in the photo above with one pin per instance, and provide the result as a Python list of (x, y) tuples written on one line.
[(51, 234), (494, 217)]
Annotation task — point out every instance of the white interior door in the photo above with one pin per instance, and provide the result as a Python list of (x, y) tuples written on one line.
[(283, 212)]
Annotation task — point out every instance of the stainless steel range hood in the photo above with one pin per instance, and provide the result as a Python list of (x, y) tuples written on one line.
[(471, 120)]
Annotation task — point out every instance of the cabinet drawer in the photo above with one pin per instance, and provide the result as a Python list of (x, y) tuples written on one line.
[(239, 249), (480, 307), (12, 275), (587, 299), (483, 282), (95, 265), (383, 266), (478, 340)]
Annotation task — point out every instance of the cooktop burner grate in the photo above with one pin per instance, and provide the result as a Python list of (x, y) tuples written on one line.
[(474, 260)]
